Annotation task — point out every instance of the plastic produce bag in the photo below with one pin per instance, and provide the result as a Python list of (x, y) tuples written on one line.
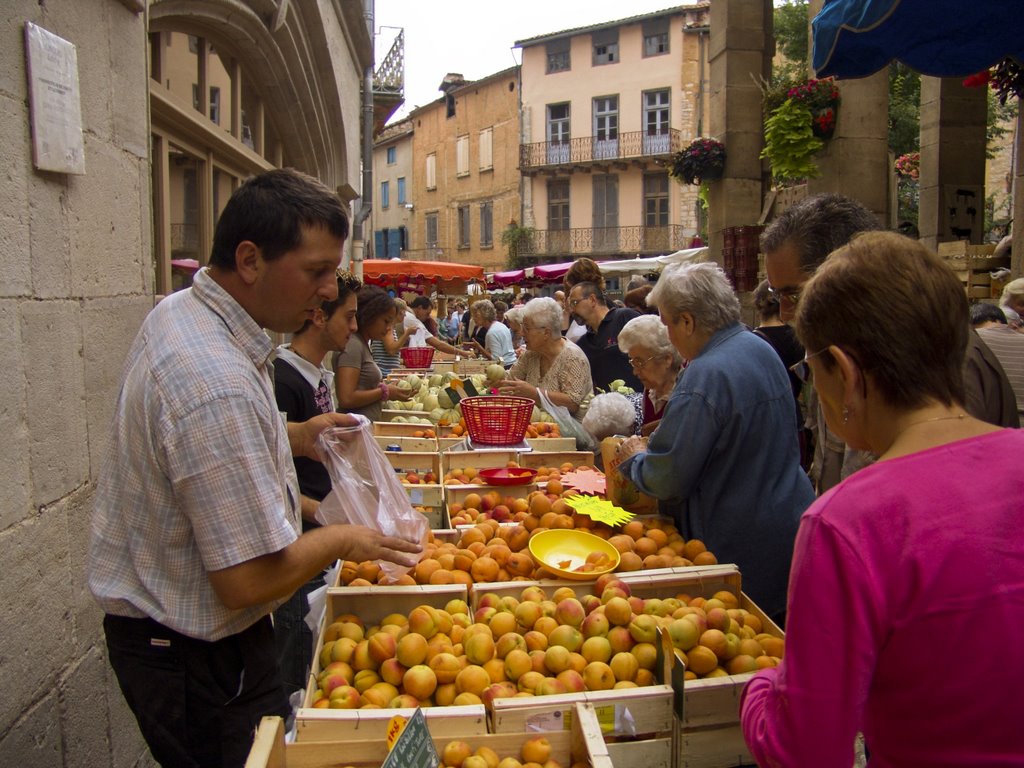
[(567, 424), (365, 490)]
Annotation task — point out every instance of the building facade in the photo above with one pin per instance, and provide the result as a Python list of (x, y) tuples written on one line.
[(166, 138), (604, 108), (466, 183), (393, 206)]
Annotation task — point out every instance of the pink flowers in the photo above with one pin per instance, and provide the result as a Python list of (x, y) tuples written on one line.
[(816, 95), (909, 165)]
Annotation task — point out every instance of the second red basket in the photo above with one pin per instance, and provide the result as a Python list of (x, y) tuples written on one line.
[(497, 419), (417, 357)]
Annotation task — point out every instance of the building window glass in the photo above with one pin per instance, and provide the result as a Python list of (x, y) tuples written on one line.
[(655, 37), (215, 105), (558, 59), (558, 216), (656, 199), (486, 225), (656, 122), (431, 229), (401, 190), (391, 155), (463, 226), (385, 197), (606, 46), (432, 171)]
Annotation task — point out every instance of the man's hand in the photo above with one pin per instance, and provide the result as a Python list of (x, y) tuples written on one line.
[(361, 543), (302, 435), (630, 447), (394, 393)]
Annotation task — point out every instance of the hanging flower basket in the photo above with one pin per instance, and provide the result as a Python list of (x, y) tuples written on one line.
[(700, 161), (821, 97), (908, 166)]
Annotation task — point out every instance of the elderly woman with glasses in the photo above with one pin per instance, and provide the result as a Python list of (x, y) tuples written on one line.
[(550, 362), (655, 362), (908, 577), (724, 460)]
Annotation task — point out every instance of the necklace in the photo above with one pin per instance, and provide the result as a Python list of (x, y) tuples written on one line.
[(957, 416)]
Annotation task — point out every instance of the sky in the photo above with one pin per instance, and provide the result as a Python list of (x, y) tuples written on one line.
[(475, 37)]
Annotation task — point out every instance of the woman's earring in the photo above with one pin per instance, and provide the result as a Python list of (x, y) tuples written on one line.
[(846, 414)]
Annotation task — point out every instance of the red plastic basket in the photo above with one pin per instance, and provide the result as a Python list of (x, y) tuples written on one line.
[(497, 419), (417, 357)]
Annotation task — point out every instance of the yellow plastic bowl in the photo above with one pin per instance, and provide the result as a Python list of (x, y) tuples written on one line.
[(562, 551)]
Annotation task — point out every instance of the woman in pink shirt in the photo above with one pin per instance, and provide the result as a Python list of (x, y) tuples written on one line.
[(906, 596)]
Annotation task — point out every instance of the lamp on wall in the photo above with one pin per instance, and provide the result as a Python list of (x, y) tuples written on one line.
[(408, 206)]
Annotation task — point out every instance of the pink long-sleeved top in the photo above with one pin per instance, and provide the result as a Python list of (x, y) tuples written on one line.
[(905, 618)]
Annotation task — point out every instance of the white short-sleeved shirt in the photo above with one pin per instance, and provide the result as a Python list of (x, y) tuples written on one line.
[(420, 332), (198, 473)]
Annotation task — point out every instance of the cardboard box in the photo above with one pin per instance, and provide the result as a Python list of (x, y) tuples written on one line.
[(584, 743)]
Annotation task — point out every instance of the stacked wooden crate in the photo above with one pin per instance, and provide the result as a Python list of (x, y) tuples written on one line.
[(974, 264)]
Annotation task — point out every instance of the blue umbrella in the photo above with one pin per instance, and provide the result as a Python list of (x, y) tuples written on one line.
[(941, 38)]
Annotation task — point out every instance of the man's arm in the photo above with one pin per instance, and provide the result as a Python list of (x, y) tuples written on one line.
[(302, 435), (441, 346), (278, 574)]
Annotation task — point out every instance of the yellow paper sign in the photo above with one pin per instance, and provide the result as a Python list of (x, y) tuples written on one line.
[(395, 727), (600, 510)]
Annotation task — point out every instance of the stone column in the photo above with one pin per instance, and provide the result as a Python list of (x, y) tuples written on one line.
[(952, 182), (1017, 253), (740, 55), (855, 161)]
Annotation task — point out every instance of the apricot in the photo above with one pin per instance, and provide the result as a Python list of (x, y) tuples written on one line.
[(701, 660), (693, 548), (705, 558), (484, 569)]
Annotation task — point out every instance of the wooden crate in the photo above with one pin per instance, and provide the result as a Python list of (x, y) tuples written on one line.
[(540, 458), (972, 264), (371, 604), (415, 461), (552, 443), (637, 723), (584, 743), (389, 414), (414, 444), (478, 459), (708, 711), (397, 429)]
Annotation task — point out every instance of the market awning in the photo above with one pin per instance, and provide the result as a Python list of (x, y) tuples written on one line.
[(185, 265), (941, 38), (504, 279), (391, 270), (551, 272), (651, 264)]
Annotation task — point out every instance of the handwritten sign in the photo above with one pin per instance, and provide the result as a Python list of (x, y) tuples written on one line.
[(54, 101), (413, 748)]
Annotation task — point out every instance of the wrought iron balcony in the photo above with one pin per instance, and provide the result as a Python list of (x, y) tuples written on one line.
[(589, 150), (545, 245)]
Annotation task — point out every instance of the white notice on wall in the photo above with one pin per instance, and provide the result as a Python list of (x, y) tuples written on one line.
[(54, 101)]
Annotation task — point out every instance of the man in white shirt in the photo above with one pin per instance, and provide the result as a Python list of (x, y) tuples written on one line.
[(420, 309)]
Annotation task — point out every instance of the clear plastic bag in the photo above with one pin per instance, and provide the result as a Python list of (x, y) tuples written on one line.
[(365, 490), (567, 424)]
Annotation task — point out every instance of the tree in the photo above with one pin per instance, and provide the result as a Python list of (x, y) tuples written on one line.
[(516, 240)]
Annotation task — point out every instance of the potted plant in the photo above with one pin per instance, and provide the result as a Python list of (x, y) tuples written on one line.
[(821, 97), (700, 161), (790, 143), (517, 240)]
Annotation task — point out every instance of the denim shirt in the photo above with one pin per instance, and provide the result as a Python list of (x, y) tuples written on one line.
[(725, 461)]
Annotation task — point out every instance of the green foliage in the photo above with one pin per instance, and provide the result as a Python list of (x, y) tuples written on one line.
[(904, 109), (1000, 114), (516, 240), (791, 32), (790, 143)]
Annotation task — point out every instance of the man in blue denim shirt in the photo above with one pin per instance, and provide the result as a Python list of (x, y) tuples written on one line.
[(725, 461)]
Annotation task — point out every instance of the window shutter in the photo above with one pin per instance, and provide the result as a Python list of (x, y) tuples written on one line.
[(378, 243), (462, 156), (486, 158), (431, 171)]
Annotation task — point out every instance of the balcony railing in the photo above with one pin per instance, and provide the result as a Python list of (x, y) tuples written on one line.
[(603, 242), (588, 150)]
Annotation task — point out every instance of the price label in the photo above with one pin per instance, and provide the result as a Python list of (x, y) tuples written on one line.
[(413, 747), (601, 510)]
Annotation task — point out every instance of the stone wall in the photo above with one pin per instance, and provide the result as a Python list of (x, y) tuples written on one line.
[(77, 281)]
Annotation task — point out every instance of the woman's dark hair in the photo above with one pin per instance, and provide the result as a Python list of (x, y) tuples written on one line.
[(347, 285), (583, 270), (271, 210), (637, 299), (898, 310), (374, 302), (984, 313), (766, 302)]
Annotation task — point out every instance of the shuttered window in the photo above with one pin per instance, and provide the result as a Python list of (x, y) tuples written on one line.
[(432, 171), (462, 156), (486, 152)]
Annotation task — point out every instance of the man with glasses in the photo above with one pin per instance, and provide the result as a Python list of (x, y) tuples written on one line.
[(794, 246), (600, 343)]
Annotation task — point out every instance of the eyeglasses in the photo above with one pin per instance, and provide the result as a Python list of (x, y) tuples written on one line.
[(792, 295), (574, 302), (639, 364), (802, 370)]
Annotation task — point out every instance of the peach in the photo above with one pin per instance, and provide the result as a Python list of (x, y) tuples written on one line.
[(517, 664), (572, 680), (472, 679), (596, 649), (646, 677), (550, 686), (484, 569), (379, 694), (618, 611), (527, 614), (590, 603), (446, 667), (479, 648), (392, 671), (563, 593), (577, 662), (332, 681), (773, 646), (455, 752), (528, 682), (404, 701), (556, 659), (536, 641), (646, 655), (439, 644), (596, 624), (344, 697), (546, 624), (644, 628), (714, 640), (717, 618), (567, 636), (502, 622), (490, 757), (598, 676), (343, 649), (423, 620), (570, 611), (533, 594), (445, 694), (510, 641), (624, 666), (701, 660), (620, 639), (741, 664), (683, 634), (382, 646), (502, 690), (361, 656), (364, 679), (536, 750)]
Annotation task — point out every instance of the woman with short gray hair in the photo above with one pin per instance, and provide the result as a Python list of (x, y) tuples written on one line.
[(644, 340), (550, 362), (724, 461), (497, 344)]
